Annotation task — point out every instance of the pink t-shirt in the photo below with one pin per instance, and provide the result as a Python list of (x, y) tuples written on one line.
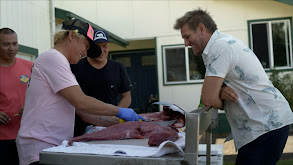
[(13, 83), (48, 118)]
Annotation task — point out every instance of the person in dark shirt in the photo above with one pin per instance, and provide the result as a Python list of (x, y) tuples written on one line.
[(103, 79)]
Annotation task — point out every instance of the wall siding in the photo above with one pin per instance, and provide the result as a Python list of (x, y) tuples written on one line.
[(30, 20)]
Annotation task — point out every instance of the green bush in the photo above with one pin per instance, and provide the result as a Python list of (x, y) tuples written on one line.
[(284, 82)]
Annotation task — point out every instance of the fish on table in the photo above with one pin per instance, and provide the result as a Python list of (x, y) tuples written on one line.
[(132, 130)]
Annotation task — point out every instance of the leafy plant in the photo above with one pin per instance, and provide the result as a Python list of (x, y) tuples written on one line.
[(284, 82)]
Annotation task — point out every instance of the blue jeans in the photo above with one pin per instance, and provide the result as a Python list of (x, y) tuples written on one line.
[(265, 150)]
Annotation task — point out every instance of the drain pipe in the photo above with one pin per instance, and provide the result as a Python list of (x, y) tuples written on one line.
[(52, 21)]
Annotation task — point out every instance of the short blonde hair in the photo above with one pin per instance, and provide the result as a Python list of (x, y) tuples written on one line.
[(62, 34)]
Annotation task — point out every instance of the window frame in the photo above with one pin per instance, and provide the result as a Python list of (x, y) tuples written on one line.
[(269, 21), (26, 51), (187, 81)]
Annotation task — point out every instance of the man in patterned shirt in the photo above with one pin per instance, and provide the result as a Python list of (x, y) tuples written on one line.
[(257, 112)]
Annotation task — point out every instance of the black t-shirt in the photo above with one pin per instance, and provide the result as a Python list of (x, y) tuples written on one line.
[(103, 84)]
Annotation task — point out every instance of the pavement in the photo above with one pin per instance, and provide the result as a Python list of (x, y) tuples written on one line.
[(230, 153)]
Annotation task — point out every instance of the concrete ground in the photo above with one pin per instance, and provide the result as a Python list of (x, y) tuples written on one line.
[(230, 153)]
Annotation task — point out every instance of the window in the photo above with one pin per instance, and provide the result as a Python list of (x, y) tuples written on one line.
[(271, 41), (28, 57), (27, 53), (181, 65), (148, 60), (126, 61)]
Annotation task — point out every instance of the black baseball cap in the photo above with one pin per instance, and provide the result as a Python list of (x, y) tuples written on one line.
[(100, 36), (86, 29)]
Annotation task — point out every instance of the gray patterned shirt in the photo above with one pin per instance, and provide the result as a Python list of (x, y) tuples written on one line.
[(261, 107)]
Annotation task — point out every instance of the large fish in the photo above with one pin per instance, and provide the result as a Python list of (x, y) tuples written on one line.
[(166, 115), (132, 130)]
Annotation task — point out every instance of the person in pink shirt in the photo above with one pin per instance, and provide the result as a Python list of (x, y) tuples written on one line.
[(53, 94), (14, 75)]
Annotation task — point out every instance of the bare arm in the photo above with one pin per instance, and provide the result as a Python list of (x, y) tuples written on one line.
[(20, 112), (125, 100), (211, 91), (105, 120), (99, 120), (79, 100)]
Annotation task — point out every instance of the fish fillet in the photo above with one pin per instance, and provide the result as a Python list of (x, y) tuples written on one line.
[(132, 130)]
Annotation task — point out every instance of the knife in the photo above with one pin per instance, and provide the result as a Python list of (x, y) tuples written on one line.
[(166, 123), (173, 107)]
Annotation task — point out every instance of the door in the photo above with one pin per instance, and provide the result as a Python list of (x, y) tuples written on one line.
[(141, 69)]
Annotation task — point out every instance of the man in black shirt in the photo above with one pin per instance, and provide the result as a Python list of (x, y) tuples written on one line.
[(103, 79)]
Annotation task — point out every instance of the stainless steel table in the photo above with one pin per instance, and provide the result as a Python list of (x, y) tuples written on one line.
[(197, 122)]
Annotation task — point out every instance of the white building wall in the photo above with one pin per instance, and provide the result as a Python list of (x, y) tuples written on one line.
[(140, 19), (29, 19), (231, 17), (137, 20), (186, 95), (134, 19), (143, 19)]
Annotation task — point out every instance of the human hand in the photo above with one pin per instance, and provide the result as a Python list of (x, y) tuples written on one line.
[(19, 113), (128, 114), (4, 118), (229, 94)]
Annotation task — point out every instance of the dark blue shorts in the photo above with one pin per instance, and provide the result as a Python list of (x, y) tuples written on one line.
[(265, 150), (8, 152)]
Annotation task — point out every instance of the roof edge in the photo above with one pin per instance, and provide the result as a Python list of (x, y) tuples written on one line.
[(65, 15), (288, 2)]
